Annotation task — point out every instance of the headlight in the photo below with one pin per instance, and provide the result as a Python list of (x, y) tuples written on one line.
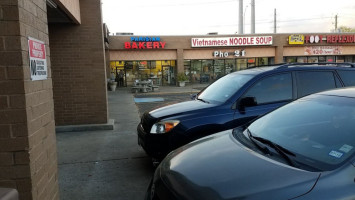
[(164, 126)]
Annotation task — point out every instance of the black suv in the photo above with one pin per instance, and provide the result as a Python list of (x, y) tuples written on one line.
[(235, 99)]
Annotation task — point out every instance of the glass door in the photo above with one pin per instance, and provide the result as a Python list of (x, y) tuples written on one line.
[(168, 76)]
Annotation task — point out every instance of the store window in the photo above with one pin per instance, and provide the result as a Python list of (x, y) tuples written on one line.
[(207, 70), (241, 64), (196, 68), (313, 59), (319, 59), (322, 59), (219, 69), (230, 66), (349, 59), (330, 58), (302, 59), (340, 59)]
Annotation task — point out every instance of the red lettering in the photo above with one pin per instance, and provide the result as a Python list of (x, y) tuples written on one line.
[(134, 45), (149, 45), (329, 39), (257, 40), (162, 44), (141, 45), (231, 41), (306, 39), (251, 40), (351, 39), (127, 45), (334, 38), (155, 45), (244, 40), (320, 38)]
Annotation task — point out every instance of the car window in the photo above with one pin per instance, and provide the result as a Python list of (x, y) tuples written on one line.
[(274, 88), (319, 130), (312, 82), (348, 77), (225, 87)]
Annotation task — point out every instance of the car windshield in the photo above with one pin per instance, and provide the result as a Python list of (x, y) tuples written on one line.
[(225, 87), (318, 129)]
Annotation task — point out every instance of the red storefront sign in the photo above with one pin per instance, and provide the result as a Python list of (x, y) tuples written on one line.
[(340, 38), (330, 39), (144, 45)]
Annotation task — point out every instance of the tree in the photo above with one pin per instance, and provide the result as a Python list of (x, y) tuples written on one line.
[(345, 29)]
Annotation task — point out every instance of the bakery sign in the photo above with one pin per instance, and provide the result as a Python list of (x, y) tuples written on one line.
[(144, 43), (231, 41)]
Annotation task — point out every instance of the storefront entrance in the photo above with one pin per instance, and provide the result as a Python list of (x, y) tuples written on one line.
[(161, 72), (168, 76)]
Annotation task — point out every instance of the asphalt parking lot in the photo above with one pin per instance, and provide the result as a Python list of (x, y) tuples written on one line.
[(109, 165)]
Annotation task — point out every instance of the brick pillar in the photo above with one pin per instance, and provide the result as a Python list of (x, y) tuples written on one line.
[(79, 68), (28, 155)]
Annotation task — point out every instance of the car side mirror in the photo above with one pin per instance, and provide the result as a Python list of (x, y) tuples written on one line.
[(193, 96), (246, 102)]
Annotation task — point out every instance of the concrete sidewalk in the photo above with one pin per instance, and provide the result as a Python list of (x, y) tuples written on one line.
[(108, 164)]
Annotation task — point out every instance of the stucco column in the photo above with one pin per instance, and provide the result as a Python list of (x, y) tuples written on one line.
[(28, 155), (180, 60)]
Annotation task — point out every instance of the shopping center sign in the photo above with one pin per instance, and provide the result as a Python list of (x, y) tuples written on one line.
[(144, 43), (231, 41)]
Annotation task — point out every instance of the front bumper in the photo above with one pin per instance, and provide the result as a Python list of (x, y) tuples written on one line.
[(155, 145)]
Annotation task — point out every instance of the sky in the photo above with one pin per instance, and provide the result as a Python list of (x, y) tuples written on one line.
[(200, 17)]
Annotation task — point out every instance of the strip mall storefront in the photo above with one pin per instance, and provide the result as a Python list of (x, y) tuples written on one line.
[(206, 58)]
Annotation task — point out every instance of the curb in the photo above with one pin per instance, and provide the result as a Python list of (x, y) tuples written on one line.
[(86, 127)]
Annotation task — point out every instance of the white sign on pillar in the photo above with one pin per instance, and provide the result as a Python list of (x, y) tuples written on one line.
[(38, 61)]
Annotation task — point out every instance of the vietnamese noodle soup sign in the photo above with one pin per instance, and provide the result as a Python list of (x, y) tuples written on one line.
[(38, 62), (231, 41)]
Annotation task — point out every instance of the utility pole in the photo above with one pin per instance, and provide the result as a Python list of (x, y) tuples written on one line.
[(252, 29), (275, 20), (336, 23), (240, 27)]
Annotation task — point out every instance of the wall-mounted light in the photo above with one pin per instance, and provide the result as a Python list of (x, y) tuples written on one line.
[(51, 4)]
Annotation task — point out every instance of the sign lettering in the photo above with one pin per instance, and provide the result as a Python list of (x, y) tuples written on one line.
[(231, 41), (236, 53), (38, 62)]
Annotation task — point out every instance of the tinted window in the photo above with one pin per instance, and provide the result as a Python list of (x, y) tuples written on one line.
[(272, 89), (348, 77), (224, 88), (312, 82), (320, 130)]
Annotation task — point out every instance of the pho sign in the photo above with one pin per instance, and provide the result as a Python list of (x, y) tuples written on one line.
[(38, 62)]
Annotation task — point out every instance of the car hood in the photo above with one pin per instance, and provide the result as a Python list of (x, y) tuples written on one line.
[(219, 167), (179, 108)]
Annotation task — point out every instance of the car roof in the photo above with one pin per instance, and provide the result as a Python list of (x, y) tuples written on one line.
[(295, 66), (348, 92)]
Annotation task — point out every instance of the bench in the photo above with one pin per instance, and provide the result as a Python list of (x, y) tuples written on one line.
[(155, 87)]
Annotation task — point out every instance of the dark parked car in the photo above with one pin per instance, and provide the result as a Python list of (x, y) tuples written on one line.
[(303, 150), (234, 100)]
